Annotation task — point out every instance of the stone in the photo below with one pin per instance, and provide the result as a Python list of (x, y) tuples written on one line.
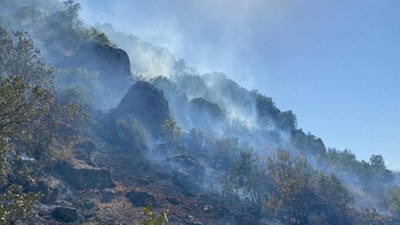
[(147, 103), (82, 176), (65, 214), (140, 198), (192, 221), (88, 204), (88, 146), (107, 195), (49, 187), (173, 201), (185, 181), (190, 165)]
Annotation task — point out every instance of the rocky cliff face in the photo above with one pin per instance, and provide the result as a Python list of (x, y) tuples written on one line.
[(112, 66), (110, 62)]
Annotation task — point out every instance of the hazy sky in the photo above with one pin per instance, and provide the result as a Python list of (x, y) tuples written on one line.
[(335, 63)]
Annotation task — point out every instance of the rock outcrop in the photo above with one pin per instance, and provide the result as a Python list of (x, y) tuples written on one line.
[(140, 198), (110, 62), (190, 165), (146, 103), (65, 214), (112, 66), (82, 176)]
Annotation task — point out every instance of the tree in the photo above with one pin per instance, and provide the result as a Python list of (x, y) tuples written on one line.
[(70, 15), (32, 124), (393, 200), (249, 178), (333, 199), (15, 204), (292, 198), (171, 131), (225, 152), (20, 109), (18, 57)]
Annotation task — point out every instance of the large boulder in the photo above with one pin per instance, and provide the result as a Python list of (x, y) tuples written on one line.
[(190, 165), (146, 103), (82, 176), (140, 198), (50, 188), (188, 173), (65, 214)]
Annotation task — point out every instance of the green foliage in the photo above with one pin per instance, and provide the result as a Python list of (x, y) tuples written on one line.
[(132, 130), (308, 143), (374, 176), (77, 85), (70, 14), (289, 189), (18, 57), (393, 200), (14, 204), (153, 219), (101, 38), (32, 124), (292, 194), (171, 131), (225, 152), (333, 197), (248, 177), (207, 106), (127, 132), (368, 216), (268, 113)]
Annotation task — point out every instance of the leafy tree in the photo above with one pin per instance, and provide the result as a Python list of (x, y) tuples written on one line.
[(368, 216), (292, 198), (20, 109), (225, 152), (101, 38), (334, 199), (127, 132), (307, 143), (18, 57), (171, 131), (393, 200), (70, 15), (290, 190), (32, 124), (249, 178), (77, 85), (15, 204), (379, 171)]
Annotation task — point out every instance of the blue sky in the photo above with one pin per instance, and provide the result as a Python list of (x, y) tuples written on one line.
[(335, 63)]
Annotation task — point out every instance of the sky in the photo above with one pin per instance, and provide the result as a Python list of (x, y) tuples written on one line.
[(334, 63)]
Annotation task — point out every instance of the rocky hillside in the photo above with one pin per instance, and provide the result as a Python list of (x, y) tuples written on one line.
[(91, 134)]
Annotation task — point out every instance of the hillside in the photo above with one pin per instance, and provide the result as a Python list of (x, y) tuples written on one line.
[(96, 125)]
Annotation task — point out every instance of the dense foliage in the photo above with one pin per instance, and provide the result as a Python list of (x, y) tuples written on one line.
[(32, 123)]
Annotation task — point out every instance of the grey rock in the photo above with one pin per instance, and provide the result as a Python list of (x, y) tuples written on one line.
[(82, 176), (65, 214), (140, 198), (107, 195), (147, 103)]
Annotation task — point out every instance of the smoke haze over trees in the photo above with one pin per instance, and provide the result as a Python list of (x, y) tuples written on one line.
[(96, 124)]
